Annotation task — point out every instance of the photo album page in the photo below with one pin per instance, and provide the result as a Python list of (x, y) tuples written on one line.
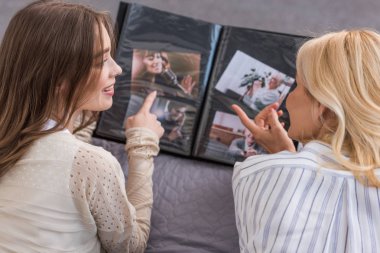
[(199, 70), (167, 53)]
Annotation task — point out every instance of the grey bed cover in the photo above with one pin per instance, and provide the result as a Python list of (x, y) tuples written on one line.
[(193, 209)]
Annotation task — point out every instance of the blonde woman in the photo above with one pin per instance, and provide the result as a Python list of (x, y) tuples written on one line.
[(59, 194), (326, 196)]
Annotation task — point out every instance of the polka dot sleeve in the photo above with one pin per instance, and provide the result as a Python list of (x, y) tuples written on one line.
[(97, 183)]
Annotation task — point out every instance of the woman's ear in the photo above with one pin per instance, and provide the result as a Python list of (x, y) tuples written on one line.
[(322, 110), (61, 88), (327, 118), (60, 92)]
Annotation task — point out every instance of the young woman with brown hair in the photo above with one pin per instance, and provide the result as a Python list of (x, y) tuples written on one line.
[(58, 194)]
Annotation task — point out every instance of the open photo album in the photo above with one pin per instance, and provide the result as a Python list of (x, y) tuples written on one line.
[(199, 70)]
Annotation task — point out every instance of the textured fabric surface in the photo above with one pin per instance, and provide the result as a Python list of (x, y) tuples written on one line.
[(68, 196), (302, 202), (193, 209)]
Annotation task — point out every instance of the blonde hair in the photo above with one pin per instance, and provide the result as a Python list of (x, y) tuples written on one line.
[(341, 71)]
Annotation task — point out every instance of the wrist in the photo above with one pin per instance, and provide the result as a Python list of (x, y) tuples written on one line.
[(287, 147), (142, 142)]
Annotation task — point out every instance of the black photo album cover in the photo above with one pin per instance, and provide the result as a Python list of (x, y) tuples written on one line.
[(199, 70), (168, 53), (253, 69)]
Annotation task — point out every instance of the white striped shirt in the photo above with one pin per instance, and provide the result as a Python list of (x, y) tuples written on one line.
[(297, 202)]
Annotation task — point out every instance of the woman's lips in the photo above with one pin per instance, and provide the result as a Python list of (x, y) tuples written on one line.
[(109, 90)]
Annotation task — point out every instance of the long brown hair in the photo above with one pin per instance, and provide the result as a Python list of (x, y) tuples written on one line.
[(47, 60)]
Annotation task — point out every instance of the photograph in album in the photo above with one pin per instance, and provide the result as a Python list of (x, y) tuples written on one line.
[(169, 73), (229, 138), (175, 117), (254, 83)]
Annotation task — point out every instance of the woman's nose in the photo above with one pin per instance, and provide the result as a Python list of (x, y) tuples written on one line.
[(117, 69)]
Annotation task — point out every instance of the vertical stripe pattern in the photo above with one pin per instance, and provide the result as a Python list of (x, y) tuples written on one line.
[(299, 202)]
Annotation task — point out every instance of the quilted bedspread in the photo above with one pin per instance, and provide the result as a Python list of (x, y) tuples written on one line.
[(193, 210)]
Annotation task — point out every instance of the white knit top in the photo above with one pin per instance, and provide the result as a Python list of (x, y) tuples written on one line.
[(69, 196)]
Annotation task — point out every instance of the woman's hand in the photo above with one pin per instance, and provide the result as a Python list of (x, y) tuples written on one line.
[(143, 118), (267, 129)]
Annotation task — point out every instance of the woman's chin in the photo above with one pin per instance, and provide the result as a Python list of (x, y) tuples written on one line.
[(108, 106), (105, 106)]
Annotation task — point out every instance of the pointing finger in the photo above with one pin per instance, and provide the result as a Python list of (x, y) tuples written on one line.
[(261, 118), (247, 122), (148, 102)]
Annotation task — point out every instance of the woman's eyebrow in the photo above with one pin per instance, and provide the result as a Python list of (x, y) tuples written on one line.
[(99, 54)]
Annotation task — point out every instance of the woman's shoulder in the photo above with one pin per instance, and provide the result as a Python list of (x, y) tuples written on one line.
[(314, 156), (97, 163), (66, 146), (92, 152), (283, 158)]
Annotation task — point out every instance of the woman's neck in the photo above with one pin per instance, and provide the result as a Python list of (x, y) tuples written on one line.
[(71, 124)]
